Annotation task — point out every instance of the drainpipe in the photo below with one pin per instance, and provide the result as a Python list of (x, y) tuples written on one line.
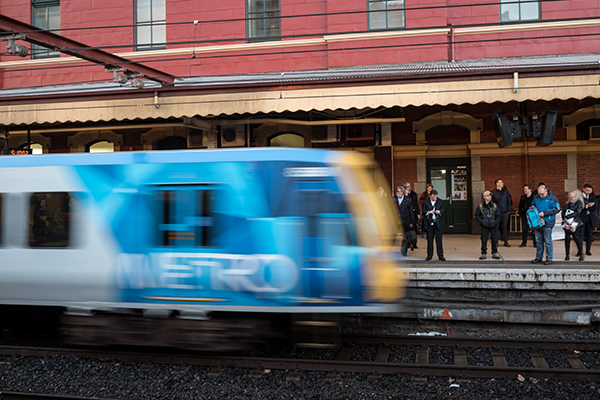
[(451, 44)]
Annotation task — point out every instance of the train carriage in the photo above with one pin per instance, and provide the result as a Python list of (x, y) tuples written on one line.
[(189, 242)]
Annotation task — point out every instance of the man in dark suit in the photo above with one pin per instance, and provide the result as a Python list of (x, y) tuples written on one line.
[(588, 217), (433, 212)]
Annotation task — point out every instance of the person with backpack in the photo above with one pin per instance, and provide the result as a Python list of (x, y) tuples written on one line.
[(547, 206), (571, 216), (502, 198), (524, 204), (488, 216)]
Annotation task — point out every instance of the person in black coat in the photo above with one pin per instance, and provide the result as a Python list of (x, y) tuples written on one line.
[(572, 213), (524, 205), (407, 216), (488, 216), (588, 217), (502, 198), (433, 212), (416, 211)]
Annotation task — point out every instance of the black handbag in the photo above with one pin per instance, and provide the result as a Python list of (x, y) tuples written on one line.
[(411, 235), (419, 227)]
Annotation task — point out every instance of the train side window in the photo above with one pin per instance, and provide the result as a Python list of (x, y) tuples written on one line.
[(50, 219), (186, 217), (325, 212)]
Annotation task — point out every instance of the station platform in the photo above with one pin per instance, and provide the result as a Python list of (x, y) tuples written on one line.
[(468, 248), (511, 289)]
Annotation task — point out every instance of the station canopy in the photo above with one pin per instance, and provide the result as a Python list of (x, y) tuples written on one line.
[(438, 83)]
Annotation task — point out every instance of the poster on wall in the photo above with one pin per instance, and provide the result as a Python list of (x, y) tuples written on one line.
[(459, 183)]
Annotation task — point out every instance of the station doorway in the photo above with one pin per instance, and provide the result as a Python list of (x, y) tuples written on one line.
[(451, 177)]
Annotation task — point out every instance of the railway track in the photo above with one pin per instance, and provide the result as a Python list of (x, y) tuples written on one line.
[(43, 396), (306, 356)]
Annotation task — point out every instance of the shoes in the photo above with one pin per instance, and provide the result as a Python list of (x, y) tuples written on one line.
[(547, 262), (495, 256), (567, 258), (404, 253), (589, 253), (506, 244), (536, 260), (412, 248), (428, 259), (578, 255), (581, 258), (415, 248), (523, 245), (442, 259), (483, 257)]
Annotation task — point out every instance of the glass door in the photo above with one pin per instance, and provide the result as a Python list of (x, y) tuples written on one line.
[(451, 178)]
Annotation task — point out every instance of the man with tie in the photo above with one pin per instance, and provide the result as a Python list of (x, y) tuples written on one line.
[(588, 217), (433, 212)]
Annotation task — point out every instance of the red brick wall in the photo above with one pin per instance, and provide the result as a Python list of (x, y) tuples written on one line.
[(588, 171), (447, 134), (550, 169), (405, 170)]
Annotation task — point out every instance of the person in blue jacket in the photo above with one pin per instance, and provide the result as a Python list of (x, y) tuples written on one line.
[(548, 206)]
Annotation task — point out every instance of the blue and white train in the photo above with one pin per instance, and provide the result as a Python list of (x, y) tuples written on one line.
[(191, 248)]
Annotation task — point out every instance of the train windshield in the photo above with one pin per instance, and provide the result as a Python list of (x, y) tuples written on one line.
[(368, 195)]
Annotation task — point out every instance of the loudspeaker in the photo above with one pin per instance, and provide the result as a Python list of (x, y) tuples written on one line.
[(547, 134), (534, 126), (506, 129)]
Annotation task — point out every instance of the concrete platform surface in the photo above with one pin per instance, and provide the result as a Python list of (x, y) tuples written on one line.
[(468, 248)]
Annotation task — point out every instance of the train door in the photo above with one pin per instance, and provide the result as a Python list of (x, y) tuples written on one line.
[(326, 239), (451, 178)]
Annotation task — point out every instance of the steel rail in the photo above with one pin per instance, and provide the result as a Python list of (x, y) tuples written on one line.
[(220, 361), (421, 340), (383, 368), (44, 396)]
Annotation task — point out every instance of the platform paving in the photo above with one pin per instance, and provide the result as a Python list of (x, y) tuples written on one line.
[(468, 248)]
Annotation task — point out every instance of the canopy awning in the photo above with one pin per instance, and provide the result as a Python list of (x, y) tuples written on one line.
[(152, 104)]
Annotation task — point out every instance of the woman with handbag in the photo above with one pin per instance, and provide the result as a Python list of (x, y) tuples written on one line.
[(572, 223)]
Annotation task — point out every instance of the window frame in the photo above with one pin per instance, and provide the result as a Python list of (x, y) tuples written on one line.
[(67, 226), (252, 16), (151, 23), (37, 51), (386, 11), (519, 3)]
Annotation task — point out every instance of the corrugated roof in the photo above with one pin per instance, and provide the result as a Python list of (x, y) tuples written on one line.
[(400, 71)]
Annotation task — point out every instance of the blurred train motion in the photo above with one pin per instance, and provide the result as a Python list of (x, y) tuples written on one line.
[(195, 249)]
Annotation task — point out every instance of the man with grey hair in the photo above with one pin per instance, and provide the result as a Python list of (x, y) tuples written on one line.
[(488, 216), (548, 206)]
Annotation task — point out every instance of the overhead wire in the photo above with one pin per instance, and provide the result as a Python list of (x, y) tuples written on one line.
[(297, 51), (326, 14), (246, 39)]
